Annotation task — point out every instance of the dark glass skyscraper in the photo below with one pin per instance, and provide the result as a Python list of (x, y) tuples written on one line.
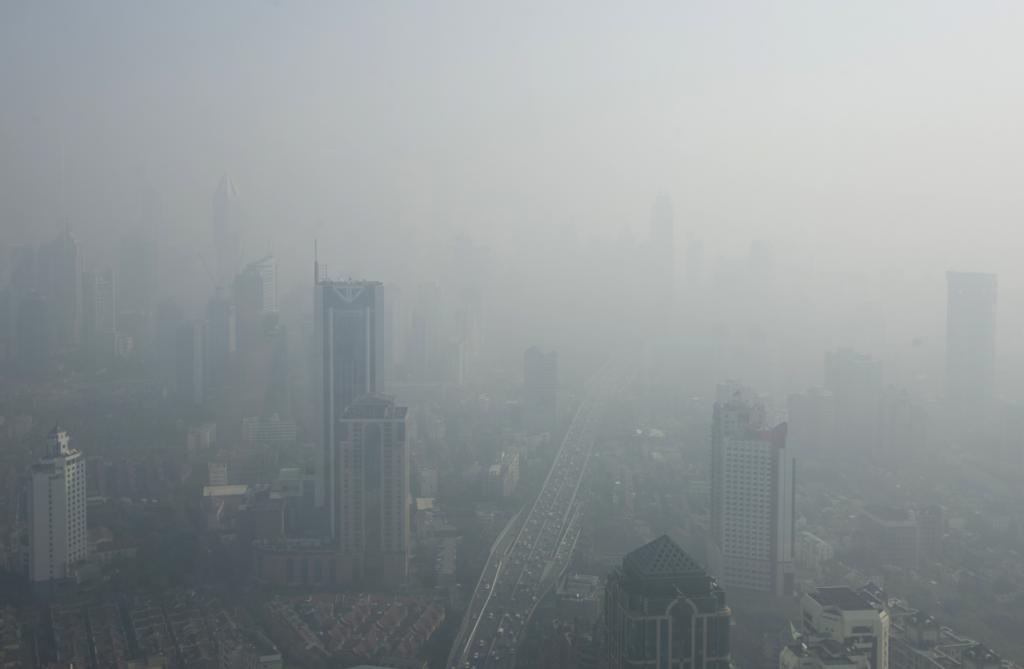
[(663, 610), (345, 330)]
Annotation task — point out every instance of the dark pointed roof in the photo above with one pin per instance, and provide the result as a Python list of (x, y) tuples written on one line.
[(659, 559)]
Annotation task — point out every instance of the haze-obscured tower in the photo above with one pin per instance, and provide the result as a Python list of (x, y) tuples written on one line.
[(970, 338), (60, 281), (752, 520), (663, 238), (540, 390), (369, 501), (346, 342), (57, 510), (226, 230), (855, 380), (663, 610)]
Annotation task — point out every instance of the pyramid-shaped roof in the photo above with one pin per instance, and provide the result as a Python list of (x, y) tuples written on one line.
[(659, 559)]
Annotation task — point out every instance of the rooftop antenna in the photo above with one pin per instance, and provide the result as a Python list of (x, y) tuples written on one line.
[(316, 264)]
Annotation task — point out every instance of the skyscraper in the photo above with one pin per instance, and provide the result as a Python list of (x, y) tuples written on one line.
[(663, 610), (369, 501), (540, 390), (855, 380), (190, 363), (226, 230), (663, 239), (346, 344), (751, 496), (970, 338), (219, 341), (255, 301), (57, 520), (137, 288), (99, 300), (59, 272)]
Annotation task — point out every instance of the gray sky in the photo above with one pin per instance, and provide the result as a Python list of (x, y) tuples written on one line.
[(882, 134)]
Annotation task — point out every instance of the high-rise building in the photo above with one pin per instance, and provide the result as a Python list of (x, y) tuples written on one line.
[(57, 512), (812, 418), (346, 345), (59, 277), (255, 299), (99, 306), (137, 288), (33, 336), (663, 610), (369, 501), (855, 381), (889, 536), (220, 341), (190, 363), (847, 618), (540, 390), (970, 338), (663, 241), (226, 230), (752, 488)]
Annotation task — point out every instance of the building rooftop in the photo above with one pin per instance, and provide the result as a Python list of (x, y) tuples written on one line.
[(660, 558), (225, 490), (841, 597), (889, 514)]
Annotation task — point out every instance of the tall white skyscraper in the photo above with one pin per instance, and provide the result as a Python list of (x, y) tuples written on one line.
[(751, 495), (369, 501), (57, 521)]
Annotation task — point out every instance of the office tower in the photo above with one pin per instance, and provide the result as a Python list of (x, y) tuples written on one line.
[(664, 242), (903, 427), (387, 308), (889, 536), (970, 338), (137, 289), (663, 610), (811, 422), (540, 390), (751, 495), (33, 334), (423, 350), (226, 230), (99, 309), (857, 625), (189, 364), (57, 514), (855, 381), (169, 317), (255, 302), (220, 340), (346, 344), (59, 278), (369, 503), (931, 532)]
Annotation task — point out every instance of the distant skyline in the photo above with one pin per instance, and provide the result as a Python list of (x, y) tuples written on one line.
[(873, 147)]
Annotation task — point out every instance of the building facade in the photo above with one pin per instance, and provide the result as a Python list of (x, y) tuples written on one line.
[(663, 611), (970, 337), (845, 616), (369, 502), (345, 331), (751, 496), (57, 510)]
